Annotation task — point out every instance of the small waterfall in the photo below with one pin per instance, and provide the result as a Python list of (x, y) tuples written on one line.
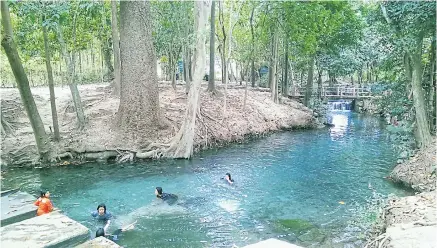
[(345, 105)]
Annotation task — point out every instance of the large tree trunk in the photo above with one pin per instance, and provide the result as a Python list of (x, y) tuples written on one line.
[(71, 75), (41, 138), (138, 113), (423, 134), (285, 82), (309, 86), (57, 136), (211, 77), (183, 142), (115, 47)]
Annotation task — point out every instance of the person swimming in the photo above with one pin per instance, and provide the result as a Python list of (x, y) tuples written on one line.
[(102, 215), (44, 204), (114, 236), (166, 197), (228, 178)]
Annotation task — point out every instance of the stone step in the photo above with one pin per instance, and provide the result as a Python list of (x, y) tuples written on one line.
[(269, 243), (48, 230), (99, 242), (16, 206)]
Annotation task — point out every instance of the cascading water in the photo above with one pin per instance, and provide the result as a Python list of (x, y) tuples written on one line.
[(346, 105)]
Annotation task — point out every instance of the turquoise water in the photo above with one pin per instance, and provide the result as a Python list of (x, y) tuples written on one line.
[(288, 175)]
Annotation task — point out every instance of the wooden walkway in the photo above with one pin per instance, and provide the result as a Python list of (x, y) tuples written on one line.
[(336, 92)]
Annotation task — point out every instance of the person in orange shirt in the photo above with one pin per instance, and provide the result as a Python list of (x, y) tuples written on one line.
[(44, 204)]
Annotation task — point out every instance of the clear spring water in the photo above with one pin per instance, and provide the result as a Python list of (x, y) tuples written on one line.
[(287, 175)]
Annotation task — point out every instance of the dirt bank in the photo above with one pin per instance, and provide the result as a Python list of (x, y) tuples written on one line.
[(410, 221), (100, 139)]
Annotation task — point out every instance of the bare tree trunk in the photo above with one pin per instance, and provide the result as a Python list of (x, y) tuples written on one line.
[(57, 136), (274, 81), (138, 113), (309, 87), (115, 47), (285, 83), (211, 77), (423, 135), (186, 71), (319, 83), (183, 142), (71, 76), (109, 74), (41, 138), (252, 51)]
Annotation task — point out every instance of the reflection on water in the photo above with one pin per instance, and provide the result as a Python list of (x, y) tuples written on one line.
[(340, 120), (289, 175)]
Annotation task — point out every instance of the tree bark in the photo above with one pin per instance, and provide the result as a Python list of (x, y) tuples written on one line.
[(423, 134), (41, 138), (183, 142), (71, 75), (211, 77), (309, 86), (115, 47), (319, 83), (107, 57), (138, 113), (408, 72), (274, 82), (186, 70), (57, 136), (285, 83), (252, 51)]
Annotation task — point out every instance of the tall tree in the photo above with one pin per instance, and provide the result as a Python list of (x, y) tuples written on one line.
[(115, 46), (182, 144), (41, 138), (51, 83), (211, 83), (138, 113)]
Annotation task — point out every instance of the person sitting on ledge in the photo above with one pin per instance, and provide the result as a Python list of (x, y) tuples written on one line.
[(44, 204)]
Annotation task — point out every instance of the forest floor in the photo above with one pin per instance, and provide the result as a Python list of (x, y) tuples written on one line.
[(411, 221), (101, 141)]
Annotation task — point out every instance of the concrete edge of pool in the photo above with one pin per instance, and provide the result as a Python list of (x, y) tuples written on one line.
[(21, 229)]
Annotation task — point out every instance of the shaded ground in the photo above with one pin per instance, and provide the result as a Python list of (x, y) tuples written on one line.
[(411, 221), (100, 139)]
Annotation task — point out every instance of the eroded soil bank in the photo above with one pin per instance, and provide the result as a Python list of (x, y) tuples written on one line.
[(100, 140)]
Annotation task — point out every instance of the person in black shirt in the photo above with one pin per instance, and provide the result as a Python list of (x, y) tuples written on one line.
[(166, 197)]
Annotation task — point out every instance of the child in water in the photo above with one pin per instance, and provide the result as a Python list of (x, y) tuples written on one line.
[(228, 178), (102, 215), (114, 236), (44, 204)]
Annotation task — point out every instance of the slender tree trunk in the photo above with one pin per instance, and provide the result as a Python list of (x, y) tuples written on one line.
[(107, 57), (115, 47), (71, 75), (186, 71), (432, 92), (274, 81), (423, 135), (285, 83), (190, 66), (57, 136), (183, 142), (41, 138), (138, 113), (211, 77), (292, 86), (309, 87), (360, 77), (173, 72), (408, 72), (252, 51), (319, 83)]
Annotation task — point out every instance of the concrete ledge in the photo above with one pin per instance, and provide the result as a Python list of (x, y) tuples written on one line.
[(16, 206), (48, 230), (99, 242), (272, 243), (405, 235)]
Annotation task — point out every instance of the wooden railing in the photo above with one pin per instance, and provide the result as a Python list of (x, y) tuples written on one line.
[(341, 91)]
